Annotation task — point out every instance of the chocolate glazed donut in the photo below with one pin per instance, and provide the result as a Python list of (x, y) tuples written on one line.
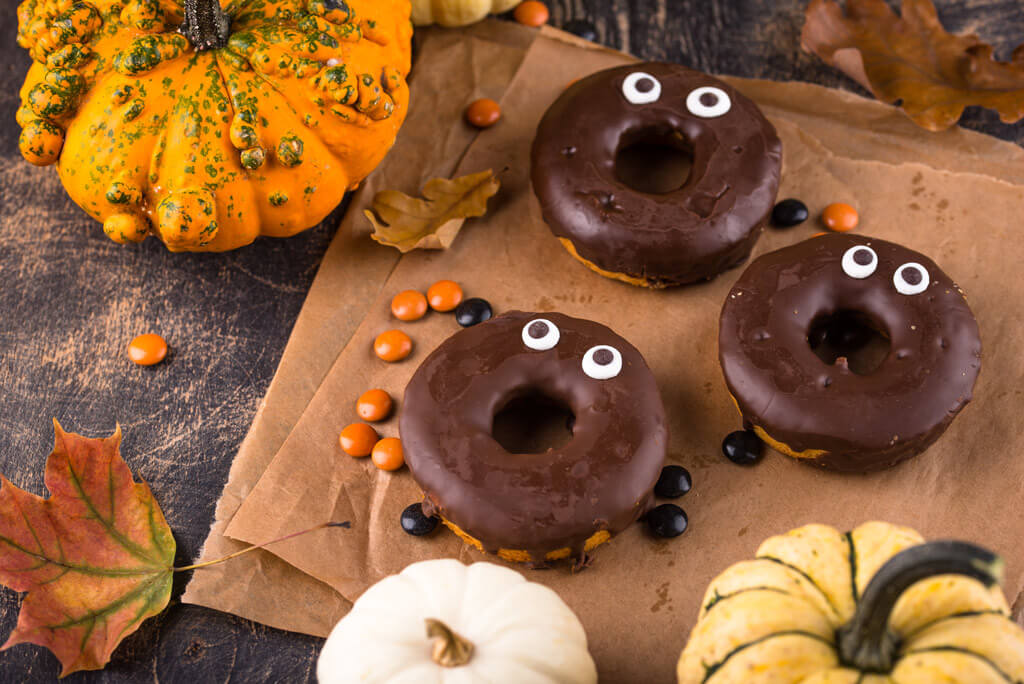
[(784, 304), (690, 234), (542, 506)]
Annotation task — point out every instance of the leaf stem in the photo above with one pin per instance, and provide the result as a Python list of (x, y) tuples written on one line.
[(236, 554)]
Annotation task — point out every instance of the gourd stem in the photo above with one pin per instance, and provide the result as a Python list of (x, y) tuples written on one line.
[(206, 25), (450, 649), (866, 643)]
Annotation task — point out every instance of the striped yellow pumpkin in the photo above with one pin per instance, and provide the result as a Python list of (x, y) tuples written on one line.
[(872, 606)]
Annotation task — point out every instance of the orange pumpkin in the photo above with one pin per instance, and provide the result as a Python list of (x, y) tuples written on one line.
[(210, 126)]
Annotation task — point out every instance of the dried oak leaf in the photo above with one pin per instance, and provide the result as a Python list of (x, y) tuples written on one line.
[(433, 221), (912, 60), (95, 558)]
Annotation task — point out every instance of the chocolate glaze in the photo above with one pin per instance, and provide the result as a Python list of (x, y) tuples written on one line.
[(708, 225), (863, 422), (603, 479)]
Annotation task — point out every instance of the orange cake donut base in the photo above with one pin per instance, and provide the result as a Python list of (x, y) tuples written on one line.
[(523, 556), (782, 448), (632, 280)]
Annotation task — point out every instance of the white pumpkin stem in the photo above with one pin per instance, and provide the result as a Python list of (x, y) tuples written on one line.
[(866, 643), (450, 649)]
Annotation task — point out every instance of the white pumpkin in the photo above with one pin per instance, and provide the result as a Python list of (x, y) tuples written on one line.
[(486, 623), (457, 12)]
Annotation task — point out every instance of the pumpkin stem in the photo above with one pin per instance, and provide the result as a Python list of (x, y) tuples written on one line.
[(206, 25), (450, 649), (866, 643)]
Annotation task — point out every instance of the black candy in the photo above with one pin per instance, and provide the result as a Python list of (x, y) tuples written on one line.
[(673, 482), (789, 213), (743, 447), (667, 520), (582, 28), (472, 311), (417, 524)]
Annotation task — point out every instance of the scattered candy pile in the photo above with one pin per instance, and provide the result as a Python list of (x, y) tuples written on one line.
[(409, 305), (147, 350), (669, 520), (789, 213), (387, 454), (392, 345), (416, 522), (743, 447), (532, 13), (374, 405), (483, 113), (838, 216), (444, 295), (358, 440)]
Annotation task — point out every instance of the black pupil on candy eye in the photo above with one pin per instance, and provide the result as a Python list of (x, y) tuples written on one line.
[(911, 276), (862, 257), (538, 330), (602, 357), (644, 85), (709, 99)]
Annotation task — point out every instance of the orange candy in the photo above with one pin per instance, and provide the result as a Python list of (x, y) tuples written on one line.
[(840, 217), (374, 405), (387, 454), (358, 439), (409, 305), (147, 350), (444, 295), (392, 345), (532, 13), (483, 113)]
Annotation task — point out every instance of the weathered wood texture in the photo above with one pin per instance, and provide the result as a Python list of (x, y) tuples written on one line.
[(71, 300)]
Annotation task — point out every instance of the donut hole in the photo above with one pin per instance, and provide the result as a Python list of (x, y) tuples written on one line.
[(533, 423), (654, 161), (852, 335)]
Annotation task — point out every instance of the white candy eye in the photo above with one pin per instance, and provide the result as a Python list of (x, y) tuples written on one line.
[(540, 334), (911, 278), (641, 88), (602, 362), (860, 261), (708, 102)]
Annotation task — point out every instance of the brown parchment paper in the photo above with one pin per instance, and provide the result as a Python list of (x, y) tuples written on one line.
[(951, 195)]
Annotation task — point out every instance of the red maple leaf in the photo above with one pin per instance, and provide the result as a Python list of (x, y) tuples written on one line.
[(95, 558)]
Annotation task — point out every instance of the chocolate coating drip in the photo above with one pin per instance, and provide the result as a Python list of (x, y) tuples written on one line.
[(602, 479), (708, 225), (861, 422)]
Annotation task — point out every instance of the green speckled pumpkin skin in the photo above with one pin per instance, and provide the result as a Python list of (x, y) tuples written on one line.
[(210, 149)]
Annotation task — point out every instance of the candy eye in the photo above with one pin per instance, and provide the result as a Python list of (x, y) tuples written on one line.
[(540, 334), (708, 102), (641, 88), (602, 362), (911, 278), (860, 262)]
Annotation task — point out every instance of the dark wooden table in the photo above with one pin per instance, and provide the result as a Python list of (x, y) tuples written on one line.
[(72, 299)]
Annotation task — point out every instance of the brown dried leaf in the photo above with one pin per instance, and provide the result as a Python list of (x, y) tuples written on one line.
[(433, 221), (911, 60)]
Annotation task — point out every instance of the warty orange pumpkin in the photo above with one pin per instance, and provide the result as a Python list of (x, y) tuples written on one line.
[(209, 124)]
